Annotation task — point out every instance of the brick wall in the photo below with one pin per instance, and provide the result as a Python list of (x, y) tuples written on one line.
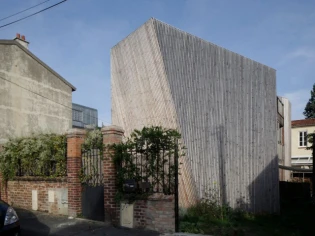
[(3, 190), (156, 213), (24, 191), (111, 134), (160, 213), (140, 208), (75, 139)]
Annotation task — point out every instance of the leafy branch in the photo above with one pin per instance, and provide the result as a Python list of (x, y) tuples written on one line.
[(41, 155), (148, 156)]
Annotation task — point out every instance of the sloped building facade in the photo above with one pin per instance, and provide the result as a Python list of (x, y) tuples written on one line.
[(224, 105)]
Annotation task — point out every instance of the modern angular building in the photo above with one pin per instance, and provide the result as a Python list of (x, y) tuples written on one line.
[(224, 105)]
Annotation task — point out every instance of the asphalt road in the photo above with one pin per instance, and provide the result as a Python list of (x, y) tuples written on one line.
[(42, 224)]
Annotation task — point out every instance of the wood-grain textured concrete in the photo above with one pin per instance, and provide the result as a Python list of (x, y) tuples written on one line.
[(223, 104)]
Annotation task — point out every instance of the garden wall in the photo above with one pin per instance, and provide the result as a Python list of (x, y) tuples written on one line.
[(64, 195), (156, 213), (37, 194)]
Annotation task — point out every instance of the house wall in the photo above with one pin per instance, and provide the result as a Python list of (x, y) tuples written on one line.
[(298, 151), (32, 99), (223, 104)]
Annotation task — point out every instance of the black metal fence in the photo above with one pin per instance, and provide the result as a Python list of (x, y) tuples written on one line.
[(147, 168), (92, 167)]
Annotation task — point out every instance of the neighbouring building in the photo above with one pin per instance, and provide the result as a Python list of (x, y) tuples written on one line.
[(284, 137), (224, 105), (33, 97), (301, 156), (83, 116)]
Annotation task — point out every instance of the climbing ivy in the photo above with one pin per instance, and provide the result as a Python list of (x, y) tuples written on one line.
[(39, 155), (143, 157), (92, 148), (93, 140)]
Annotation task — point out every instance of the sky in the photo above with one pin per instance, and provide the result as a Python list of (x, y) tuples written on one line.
[(75, 38)]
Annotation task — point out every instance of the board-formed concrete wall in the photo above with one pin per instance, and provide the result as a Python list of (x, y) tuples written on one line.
[(223, 104), (32, 98), (286, 174)]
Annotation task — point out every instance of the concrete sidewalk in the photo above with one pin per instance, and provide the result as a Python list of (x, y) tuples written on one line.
[(34, 223)]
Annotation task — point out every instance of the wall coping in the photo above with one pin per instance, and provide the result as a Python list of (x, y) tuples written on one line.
[(38, 178), (112, 129), (75, 132), (161, 197)]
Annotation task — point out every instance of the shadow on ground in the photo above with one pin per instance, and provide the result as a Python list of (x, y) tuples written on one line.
[(43, 224)]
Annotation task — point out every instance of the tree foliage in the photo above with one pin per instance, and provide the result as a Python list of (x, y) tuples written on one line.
[(92, 149), (41, 155), (309, 111), (93, 140)]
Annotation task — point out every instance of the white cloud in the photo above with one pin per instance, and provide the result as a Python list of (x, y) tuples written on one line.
[(300, 53), (298, 101)]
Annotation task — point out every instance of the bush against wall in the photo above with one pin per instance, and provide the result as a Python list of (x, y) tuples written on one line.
[(147, 160), (41, 155), (92, 158), (93, 140)]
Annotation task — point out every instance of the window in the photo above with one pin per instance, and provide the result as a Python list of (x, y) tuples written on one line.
[(77, 115), (303, 139)]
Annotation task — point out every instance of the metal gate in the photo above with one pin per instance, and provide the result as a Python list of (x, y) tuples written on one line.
[(152, 169), (92, 180)]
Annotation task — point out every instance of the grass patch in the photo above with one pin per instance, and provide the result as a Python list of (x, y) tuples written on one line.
[(209, 217)]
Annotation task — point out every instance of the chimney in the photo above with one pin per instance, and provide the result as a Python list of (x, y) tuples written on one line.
[(21, 40)]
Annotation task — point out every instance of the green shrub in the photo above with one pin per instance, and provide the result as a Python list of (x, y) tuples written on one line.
[(143, 157), (40, 155), (209, 216)]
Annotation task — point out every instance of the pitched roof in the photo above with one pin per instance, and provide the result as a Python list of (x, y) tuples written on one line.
[(13, 42), (303, 123)]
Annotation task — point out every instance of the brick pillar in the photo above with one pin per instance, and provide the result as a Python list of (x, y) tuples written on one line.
[(111, 134), (3, 190), (75, 139), (3, 186)]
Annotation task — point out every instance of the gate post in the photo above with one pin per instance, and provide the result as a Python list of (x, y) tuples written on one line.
[(3, 186), (111, 134), (75, 139)]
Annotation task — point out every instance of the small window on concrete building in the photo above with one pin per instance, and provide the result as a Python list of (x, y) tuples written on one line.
[(303, 139)]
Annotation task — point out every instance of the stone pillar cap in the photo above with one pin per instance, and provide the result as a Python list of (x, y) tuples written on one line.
[(75, 132), (115, 128)]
